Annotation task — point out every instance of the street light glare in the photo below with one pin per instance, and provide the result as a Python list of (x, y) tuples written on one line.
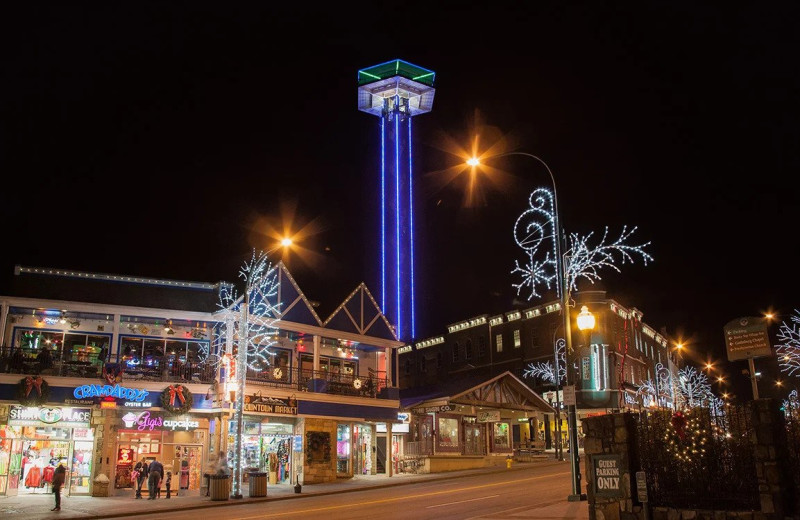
[(473, 161), (286, 242)]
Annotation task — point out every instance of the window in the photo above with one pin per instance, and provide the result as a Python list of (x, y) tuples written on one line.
[(455, 351), (502, 440), (439, 360), (468, 349), (408, 366), (517, 340), (481, 346), (448, 432), (422, 367), (31, 341), (498, 341)]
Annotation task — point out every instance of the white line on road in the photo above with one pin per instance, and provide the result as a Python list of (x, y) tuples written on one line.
[(462, 501)]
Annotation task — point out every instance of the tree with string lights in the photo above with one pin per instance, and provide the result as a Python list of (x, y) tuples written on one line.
[(788, 351), (545, 371), (245, 336), (692, 388)]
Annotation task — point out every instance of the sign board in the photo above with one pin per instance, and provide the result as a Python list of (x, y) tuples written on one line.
[(489, 416), (747, 338), (435, 409), (61, 417), (297, 443), (607, 475), (641, 486), (568, 392), (260, 404), (149, 421)]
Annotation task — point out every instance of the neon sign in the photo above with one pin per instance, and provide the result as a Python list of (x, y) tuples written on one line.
[(120, 392), (146, 421)]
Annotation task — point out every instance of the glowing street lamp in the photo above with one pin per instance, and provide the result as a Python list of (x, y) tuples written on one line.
[(563, 292)]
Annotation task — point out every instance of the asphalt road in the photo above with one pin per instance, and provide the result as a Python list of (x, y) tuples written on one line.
[(538, 492)]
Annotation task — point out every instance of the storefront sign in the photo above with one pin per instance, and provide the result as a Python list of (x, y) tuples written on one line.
[(607, 475), (120, 392), (435, 409), (125, 456), (149, 421), (260, 404), (403, 417), (489, 416), (35, 416), (297, 443)]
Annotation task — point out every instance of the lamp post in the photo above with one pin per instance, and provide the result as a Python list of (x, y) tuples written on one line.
[(253, 278), (563, 292)]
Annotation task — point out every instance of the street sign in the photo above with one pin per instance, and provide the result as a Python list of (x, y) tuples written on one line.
[(607, 475), (568, 392), (641, 486), (747, 338)]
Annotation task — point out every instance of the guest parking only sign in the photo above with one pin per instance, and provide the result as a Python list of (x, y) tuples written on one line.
[(607, 475)]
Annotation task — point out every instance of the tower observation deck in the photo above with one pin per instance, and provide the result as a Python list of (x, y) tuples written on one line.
[(396, 91)]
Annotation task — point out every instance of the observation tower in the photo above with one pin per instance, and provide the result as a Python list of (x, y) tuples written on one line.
[(396, 91)]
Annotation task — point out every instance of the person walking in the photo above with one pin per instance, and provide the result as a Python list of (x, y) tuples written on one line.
[(141, 474), (59, 476), (155, 471)]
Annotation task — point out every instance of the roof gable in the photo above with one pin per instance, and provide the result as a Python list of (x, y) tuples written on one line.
[(359, 313), (293, 305)]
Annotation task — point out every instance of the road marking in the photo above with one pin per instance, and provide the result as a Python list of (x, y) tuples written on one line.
[(481, 486), (462, 501)]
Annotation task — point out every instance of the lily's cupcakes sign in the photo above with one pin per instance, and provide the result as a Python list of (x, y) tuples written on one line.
[(149, 421)]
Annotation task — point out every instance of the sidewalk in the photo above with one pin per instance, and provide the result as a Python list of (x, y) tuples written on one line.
[(31, 507)]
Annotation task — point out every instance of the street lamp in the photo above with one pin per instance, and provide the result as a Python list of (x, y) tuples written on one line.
[(563, 292)]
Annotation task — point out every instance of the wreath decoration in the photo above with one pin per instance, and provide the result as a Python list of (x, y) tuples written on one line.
[(316, 442), (176, 399), (33, 391), (686, 440)]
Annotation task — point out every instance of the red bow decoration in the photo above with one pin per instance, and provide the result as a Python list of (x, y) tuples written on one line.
[(176, 390), (30, 382), (679, 423)]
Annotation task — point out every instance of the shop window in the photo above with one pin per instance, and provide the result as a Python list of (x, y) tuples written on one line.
[(342, 448), (448, 433), (468, 349), (502, 439)]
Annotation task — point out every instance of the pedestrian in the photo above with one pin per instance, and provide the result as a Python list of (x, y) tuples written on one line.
[(168, 482), (59, 476), (140, 474), (155, 471)]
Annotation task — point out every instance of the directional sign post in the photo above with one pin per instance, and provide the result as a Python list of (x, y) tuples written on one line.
[(747, 338)]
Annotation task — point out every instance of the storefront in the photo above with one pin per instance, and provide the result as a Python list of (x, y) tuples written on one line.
[(178, 442), (36, 440), (269, 438)]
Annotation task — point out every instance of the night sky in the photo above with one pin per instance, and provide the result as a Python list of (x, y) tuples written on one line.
[(169, 139)]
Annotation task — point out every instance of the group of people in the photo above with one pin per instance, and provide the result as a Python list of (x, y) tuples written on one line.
[(154, 474)]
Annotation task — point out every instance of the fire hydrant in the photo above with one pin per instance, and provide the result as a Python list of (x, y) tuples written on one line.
[(508, 462)]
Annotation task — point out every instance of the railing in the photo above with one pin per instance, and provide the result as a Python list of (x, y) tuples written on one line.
[(372, 385), (418, 448), (322, 381), (13, 362)]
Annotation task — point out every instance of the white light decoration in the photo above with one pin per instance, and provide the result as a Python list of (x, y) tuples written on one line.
[(249, 325), (791, 406), (535, 230), (545, 371), (692, 388), (788, 351)]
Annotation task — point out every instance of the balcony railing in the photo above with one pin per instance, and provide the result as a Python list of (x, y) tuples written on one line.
[(304, 380), (372, 385)]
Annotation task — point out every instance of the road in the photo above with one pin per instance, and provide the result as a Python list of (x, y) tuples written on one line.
[(536, 492)]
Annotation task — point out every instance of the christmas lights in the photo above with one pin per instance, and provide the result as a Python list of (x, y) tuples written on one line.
[(788, 351), (545, 371), (536, 226)]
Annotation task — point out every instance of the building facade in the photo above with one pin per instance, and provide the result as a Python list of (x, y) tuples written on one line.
[(610, 362), (99, 371)]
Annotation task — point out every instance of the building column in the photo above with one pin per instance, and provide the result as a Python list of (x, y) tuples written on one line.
[(114, 347), (389, 367), (316, 354), (390, 446), (3, 321)]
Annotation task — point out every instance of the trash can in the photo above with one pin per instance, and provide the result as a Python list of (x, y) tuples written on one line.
[(100, 489), (257, 484), (219, 487)]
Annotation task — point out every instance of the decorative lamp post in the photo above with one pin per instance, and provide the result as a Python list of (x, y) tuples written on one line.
[(586, 323)]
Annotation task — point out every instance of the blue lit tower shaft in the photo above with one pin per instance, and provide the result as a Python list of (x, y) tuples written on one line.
[(396, 91)]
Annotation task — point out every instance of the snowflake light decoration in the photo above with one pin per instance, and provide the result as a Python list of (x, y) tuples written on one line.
[(788, 351), (535, 229)]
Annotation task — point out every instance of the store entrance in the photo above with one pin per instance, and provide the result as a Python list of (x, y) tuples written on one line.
[(362, 450)]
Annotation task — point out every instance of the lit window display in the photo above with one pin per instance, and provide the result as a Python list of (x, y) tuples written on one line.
[(502, 439), (343, 448), (448, 432)]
